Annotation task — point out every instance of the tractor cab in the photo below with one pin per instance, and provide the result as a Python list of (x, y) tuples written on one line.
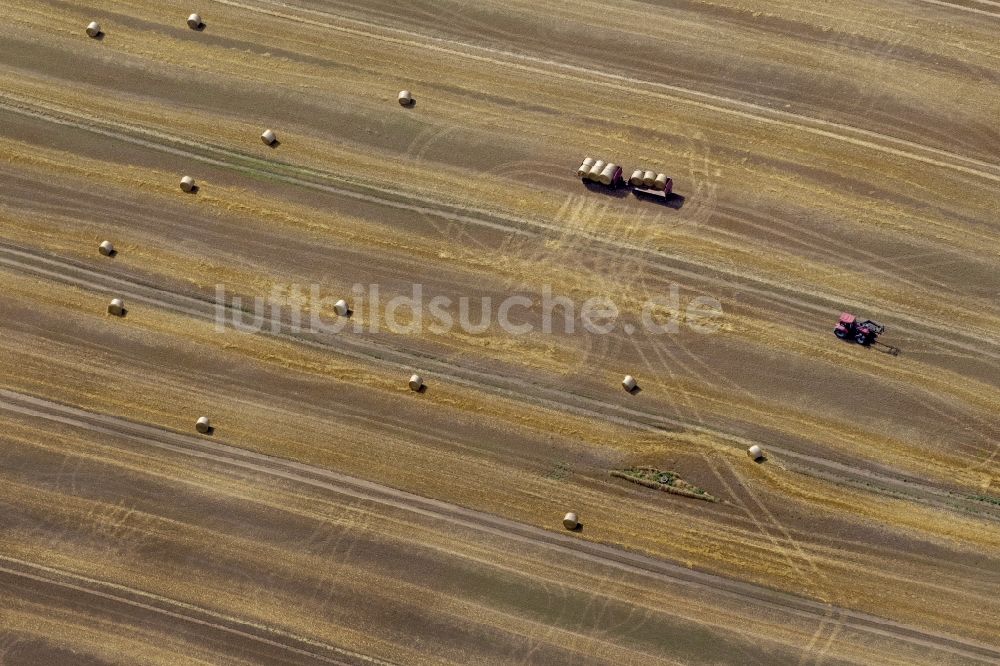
[(863, 332), (845, 327)]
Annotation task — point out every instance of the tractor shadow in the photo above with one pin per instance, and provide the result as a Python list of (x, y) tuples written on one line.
[(672, 200), (614, 192)]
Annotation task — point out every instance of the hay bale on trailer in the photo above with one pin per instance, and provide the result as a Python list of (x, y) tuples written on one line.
[(106, 248), (595, 171), (116, 307), (584, 169), (661, 181), (635, 180), (648, 179), (416, 382), (269, 137), (203, 425), (607, 174), (571, 521)]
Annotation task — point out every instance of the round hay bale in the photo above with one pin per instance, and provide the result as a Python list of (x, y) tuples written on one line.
[(416, 382), (608, 173), (405, 98), (194, 22), (93, 29), (584, 169), (341, 308), (203, 425), (116, 307), (648, 178), (755, 452), (636, 178), (187, 183), (595, 171), (106, 248), (661, 181), (571, 521), (629, 383), (269, 137)]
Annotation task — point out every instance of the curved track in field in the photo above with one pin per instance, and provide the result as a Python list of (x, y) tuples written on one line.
[(359, 348), (310, 178), (856, 136), (561, 545)]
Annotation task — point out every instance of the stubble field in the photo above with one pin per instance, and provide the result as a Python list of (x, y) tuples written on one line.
[(825, 157)]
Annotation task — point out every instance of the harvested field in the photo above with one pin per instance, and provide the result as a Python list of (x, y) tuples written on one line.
[(826, 157)]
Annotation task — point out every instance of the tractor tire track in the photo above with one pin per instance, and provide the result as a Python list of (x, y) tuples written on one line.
[(179, 610), (966, 8), (560, 544), (768, 290), (626, 84), (513, 388)]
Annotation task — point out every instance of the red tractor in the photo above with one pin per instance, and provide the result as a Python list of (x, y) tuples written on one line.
[(862, 332)]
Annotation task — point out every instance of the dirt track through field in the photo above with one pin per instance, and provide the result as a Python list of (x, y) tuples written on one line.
[(825, 158), (499, 527), (757, 113)]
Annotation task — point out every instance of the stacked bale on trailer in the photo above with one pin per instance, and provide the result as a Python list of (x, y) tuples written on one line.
[(647, 179), (610, 174)]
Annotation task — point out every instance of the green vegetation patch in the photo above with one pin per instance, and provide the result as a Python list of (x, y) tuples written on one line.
[(989, 499), (667, 481)]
